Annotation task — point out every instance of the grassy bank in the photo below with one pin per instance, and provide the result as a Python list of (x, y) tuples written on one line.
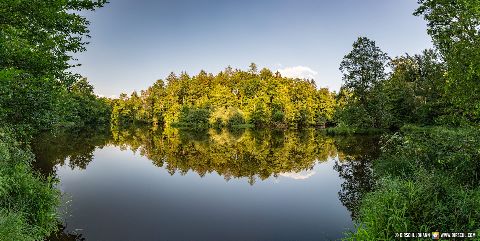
[(27, 201), (342, 130), (428, 180)]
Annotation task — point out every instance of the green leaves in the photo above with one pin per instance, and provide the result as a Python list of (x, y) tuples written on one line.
[(261, 99), (27, 202), (39, 36), (364, 67), (455, 29), (37, 92), (38, 39), (26, 101), (363, 72)]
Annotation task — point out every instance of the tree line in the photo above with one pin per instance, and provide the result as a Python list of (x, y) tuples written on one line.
[(230, 98), (436, 87), (38, 92), (414, 90)]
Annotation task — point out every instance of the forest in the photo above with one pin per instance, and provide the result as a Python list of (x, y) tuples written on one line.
[(426, 106), (232, 98)]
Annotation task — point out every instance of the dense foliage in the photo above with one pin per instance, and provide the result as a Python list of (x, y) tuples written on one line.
[(83, 109), (436, 87), (39, 93), (27, 202), (413, 92), (230, 98), (427, 181), (454, 27), (39, 36), (427, 177)]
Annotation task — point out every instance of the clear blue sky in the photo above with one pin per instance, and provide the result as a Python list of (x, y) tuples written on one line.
[(135, 43)]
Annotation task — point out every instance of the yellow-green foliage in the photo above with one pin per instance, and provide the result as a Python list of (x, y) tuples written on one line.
[(226, 117), (262, 99), (247, 153)]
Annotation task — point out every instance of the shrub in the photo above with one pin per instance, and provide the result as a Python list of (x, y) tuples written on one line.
[(452, 151), (429, 203), (28, 202), (236, 119), (355, 116), (227, 117), (278, 117), (194, 118), (428, 182)]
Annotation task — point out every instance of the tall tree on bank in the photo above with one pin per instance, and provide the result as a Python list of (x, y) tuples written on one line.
[(363, 70), (40, 36), (38, 39), (455, 29)]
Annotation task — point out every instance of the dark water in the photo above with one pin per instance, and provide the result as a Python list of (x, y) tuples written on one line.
[(139, 184)]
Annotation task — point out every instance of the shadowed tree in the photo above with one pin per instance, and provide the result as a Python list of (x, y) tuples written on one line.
[(455, 29), (363, 71)]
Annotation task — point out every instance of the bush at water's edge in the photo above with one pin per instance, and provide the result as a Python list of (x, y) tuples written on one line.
[(428, 181), (28, 202)]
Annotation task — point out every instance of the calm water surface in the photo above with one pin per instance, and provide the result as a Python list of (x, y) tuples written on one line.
[(138, 184)]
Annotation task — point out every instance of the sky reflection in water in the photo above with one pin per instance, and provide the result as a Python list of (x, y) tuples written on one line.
[(145, 185)]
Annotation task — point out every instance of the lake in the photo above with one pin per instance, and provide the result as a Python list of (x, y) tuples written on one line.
[(143, 184)]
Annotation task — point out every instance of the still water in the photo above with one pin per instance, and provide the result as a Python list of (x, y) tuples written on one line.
[(140, 184)]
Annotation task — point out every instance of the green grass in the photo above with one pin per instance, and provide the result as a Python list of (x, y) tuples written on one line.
[(453, 151), (428, 180), (28, 202), (430, 203), (341, 130)]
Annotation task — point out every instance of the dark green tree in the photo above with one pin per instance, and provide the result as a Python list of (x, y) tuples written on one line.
[(455, 29), (415, 91), (363, 68), (38, 39), (40, 36), (363, 71)]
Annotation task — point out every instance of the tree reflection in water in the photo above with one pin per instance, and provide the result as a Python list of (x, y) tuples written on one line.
[(354, 166), (254, 155), (248, 154), (77, 148)]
